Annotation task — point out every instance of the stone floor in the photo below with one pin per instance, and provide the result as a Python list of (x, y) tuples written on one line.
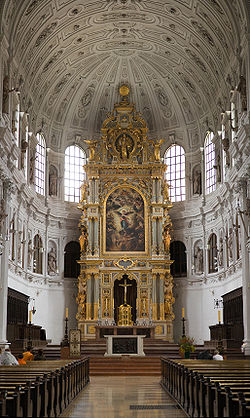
[(115, 397)]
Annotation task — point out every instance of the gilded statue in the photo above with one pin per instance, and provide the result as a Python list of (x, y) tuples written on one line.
[(84, 192), (165, 191), (92, 148), (166, 238), (83, 239), (157, 149)]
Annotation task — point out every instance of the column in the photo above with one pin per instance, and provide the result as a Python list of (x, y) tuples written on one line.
[(154, 191), (161, 295), (4, 244), (245, 248), (154, 301), (154, 240), (88, 297), (96, 296), (96, 229)]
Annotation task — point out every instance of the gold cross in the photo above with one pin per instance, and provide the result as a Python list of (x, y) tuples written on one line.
[(125, 285)]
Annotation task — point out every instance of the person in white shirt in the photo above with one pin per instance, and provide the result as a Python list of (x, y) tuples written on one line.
[(7, 359), (217, 356)]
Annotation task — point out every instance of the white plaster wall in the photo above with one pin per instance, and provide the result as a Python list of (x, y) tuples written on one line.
[(198, 302), (50, 304)]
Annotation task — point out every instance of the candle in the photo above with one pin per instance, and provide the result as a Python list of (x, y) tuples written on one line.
[(183, 313), (30, 316), (219, 316), (67, 313)]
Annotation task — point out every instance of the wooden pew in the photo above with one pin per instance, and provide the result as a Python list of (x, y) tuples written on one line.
[(41, 388), (200, 386)]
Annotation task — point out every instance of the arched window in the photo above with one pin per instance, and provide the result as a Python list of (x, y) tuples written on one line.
[(210, 163), (74, 174), (40, 165), (38, 255), (178, 254), (212, 254), (71, 255), (175, 174)]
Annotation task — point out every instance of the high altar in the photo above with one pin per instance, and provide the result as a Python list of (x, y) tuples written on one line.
[(125, 277)]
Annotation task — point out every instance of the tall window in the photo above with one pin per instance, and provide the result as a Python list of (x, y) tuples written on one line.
[(210, 163), (74, 174), (212, 254), (40, 165), (175, 174)]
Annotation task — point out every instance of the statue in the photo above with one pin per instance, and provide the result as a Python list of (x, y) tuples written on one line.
[(230, 243), (165, 191), (53, 177), (24, 146), (157, 149), (52, 268), (30, 252), (199, 260), (92, 148), (243, 93), (218, 169), (197, 181), (84, 192), (32, 167), (220, 253), (83, 239), (166, 238)]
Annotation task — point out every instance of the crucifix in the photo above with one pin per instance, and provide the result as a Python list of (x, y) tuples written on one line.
[(125, 285)]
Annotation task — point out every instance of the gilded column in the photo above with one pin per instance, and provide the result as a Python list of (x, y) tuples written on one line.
[(154, 297), (96, 296), (88, 296), (161, 300)]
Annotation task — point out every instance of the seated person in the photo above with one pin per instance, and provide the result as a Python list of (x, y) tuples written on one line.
[(27, 355), (40, 356), (217, 355), (20, 359), (7, 359), (204, 355)]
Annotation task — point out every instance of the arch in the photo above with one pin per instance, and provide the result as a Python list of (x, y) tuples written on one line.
[(174, 158), (212, 254), (71, 255), (178, 254), (40, 165), (74, 159), (119, 294), (209, 151)]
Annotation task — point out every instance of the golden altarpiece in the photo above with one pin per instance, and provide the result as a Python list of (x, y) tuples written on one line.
[(125, 227)]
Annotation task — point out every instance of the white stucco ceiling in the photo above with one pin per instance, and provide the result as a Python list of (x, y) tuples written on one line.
[(179, 57)]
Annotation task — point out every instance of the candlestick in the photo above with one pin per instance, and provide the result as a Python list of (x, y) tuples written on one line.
[(66, 312), (183, 313), (65, 341), (219, 316), (183, 327)]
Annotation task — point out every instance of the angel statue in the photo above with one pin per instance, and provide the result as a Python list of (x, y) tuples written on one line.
[(92, 148), (157, 149)]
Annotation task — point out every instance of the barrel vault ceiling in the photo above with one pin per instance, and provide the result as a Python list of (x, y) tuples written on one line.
[(180, 59)]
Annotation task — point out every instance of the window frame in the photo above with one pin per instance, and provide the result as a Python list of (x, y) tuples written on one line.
[(72, 193), (175, 174), (212, 254), (209, 159), (40, 165)]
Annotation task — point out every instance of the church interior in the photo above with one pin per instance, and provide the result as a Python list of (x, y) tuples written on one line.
[(125, 176)]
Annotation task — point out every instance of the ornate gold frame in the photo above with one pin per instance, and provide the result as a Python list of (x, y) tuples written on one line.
[(122, 253)]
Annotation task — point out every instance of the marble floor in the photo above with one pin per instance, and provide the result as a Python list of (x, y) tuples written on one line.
[(115, 397)]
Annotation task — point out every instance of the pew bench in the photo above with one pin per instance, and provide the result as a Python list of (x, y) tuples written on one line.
[(41, 388), (201, 387)]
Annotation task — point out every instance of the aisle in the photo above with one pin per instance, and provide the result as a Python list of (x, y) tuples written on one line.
[(115, 397)]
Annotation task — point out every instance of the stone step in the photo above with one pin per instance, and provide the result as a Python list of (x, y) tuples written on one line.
[(125, 366)]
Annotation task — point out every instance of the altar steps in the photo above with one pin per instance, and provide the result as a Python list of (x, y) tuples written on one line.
[(125, 366), (152, 348)]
